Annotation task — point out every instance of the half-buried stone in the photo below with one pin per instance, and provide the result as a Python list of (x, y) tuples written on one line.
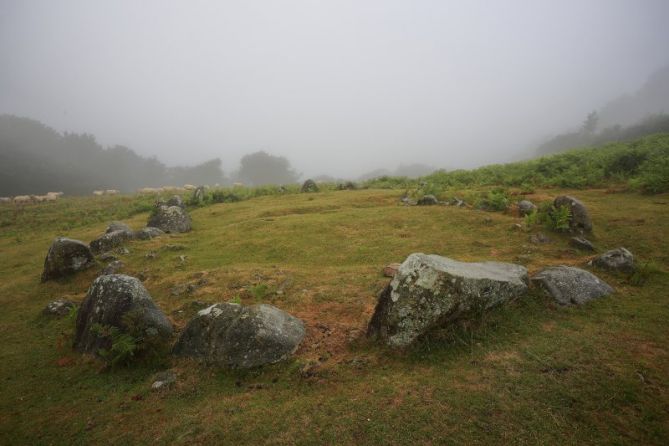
[(170, 219), (110, 240), (619, 259), (430, 291), (148, 233), (122, 302), (571, 285), (66, 257), (236, 336)]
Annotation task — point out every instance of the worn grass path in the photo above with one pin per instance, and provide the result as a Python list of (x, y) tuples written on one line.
[(528, 373)]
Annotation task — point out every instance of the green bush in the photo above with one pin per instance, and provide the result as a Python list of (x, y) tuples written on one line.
[(495, 200)]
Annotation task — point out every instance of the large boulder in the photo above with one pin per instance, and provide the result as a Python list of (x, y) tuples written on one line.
[(619, 259), (309, 186), (170, 219), (571, 285), (430, 291), (579, 219), (110, 240), (122, 302), (65, 257), (148, 233), (236, 336), (526, 207), (117, 226)]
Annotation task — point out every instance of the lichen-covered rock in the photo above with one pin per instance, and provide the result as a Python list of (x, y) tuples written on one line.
[(427, 200), (115, 301), (176, 200), (571, 285), (117, 226), (619, 259), (309, 186), (429, 291), (148, 233), (526, 207), (236, 336), (110, 240), (579, 219), (170, 219), (65, 257), (59, 307)]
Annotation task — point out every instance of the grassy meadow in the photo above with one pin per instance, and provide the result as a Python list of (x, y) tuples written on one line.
[(530, 372)]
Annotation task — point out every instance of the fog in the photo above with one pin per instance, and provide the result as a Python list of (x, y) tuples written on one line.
[(338, 87)]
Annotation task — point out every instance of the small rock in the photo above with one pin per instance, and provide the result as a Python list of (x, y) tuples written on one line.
[(123, 251), (148, 233), (59, 307), (526, 207), (539, 239), (487, 220), (619, 259), (579, 219), (516, 227), (163, 379), (582, 243), (113, 267), (198, 195), (151, 255), (427, 200), (391, 269), (570, 285), (117, 226)]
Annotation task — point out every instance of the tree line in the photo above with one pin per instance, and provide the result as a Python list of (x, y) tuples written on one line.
[(35, 159)]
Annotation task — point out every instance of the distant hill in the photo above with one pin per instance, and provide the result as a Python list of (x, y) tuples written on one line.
[(623, 119)]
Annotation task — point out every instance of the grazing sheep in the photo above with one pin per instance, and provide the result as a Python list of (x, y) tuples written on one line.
[(5, 200), (48, 197), (112, 192), (55, 194), (237, 184), (189, 187), (98, 193), (22, 199)]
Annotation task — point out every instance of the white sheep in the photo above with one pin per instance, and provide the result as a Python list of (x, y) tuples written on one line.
[(112, 192), (189, 187), (98, 193), (5, 199), (22, 199)]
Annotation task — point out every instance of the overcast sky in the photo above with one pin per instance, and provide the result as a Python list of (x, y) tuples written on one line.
[(338, 87)]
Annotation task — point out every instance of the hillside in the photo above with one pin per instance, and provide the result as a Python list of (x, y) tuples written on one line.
[(530, 372)]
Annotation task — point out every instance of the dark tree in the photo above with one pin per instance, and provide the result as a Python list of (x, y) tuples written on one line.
[(262, 168)]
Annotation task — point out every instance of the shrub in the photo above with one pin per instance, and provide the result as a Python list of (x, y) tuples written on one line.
[(495, 200)]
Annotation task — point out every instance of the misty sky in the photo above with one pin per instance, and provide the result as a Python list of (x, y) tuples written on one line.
[(338, 87)]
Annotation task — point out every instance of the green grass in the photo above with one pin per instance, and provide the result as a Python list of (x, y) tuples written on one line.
[(527, 373)]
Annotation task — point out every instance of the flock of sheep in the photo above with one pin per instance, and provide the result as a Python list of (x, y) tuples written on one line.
[(24, 199), (53, 196)]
